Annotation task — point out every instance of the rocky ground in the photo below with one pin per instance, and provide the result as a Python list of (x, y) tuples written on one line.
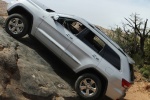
[(28, 71)]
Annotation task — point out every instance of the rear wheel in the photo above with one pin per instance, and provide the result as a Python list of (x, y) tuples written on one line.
[(16, 25), (88, 86)]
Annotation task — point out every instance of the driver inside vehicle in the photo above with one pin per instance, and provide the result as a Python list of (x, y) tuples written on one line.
[(72, 25), (78, 27)]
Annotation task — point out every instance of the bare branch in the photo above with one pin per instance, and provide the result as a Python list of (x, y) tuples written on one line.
[(132, 20), (145, 25), (129, 22), (124, 29), (147, 33), (136, 29), (130, 26)]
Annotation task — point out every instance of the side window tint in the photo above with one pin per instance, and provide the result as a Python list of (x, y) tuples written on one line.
[(83, 33), (93, 41), (112, 57), (71, 25)]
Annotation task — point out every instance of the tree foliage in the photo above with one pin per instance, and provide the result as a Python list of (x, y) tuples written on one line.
[(133, 37), (138, 27), (147, 50)]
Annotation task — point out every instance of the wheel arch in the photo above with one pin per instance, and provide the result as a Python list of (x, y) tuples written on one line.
[(101, 76), (25, 13)]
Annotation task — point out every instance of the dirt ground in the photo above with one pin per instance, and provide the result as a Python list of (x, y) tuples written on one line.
[(140, 90)]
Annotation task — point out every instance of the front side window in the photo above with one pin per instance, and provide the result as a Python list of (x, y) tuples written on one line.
[(71, 25)]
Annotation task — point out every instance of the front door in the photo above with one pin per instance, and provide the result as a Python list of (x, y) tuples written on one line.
[(53, 35)]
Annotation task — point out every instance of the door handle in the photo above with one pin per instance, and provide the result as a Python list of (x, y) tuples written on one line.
[(69, 36), (95, 57)]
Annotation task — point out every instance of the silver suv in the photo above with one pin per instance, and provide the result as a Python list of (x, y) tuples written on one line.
[(103, 68)]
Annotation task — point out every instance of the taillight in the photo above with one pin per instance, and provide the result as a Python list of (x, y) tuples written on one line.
[(125, 83)]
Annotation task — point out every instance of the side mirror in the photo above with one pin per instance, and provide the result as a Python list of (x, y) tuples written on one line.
[(56, 17)]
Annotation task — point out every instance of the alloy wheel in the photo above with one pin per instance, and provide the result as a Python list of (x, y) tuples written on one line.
[(16, 25)]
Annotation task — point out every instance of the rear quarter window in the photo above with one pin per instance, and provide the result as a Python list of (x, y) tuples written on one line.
[(112, 57)]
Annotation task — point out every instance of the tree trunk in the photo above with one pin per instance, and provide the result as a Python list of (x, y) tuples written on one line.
[(142, 40), (135, 43)]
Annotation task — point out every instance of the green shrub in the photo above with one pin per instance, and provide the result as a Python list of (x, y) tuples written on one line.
[(145, 71), (142, 70), (147, 67), (146, 74), (138, 60)]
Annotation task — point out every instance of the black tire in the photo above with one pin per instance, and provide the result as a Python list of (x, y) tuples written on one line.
[(93, 83), (16, 25)]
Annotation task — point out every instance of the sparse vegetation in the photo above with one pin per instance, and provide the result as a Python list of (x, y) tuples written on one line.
[(134, 38), (145, 71)]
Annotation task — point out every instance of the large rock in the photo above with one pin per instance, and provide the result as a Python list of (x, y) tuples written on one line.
[(2, 20), (28, 71), (3, 7)]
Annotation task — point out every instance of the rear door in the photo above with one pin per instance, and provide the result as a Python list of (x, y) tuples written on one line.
[(83, 52)]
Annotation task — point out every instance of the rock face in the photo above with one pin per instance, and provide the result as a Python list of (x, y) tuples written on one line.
[(2, 20), (28, 71), (3, 8)]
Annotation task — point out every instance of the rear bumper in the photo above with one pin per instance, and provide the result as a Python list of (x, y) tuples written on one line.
[(115, 93), (122, 96)]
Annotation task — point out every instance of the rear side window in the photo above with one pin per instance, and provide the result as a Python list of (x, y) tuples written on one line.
[(93, 41)]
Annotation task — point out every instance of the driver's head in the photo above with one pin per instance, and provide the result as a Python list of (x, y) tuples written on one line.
[(78, 26)]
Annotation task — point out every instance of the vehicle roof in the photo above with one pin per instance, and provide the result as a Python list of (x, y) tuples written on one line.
[(72, 16)]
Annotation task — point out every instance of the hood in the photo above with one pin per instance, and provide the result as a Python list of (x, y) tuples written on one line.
[(43, 4)]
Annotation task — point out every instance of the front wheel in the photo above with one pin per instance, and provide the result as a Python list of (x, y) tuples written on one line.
[(16, 25), (88, 86)]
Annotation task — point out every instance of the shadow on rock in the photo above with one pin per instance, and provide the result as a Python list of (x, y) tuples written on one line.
[(61, 69), (36, 97), (50, 97), (57, 65)]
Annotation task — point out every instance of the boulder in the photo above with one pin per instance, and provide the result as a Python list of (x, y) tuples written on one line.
[(29, 71)]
